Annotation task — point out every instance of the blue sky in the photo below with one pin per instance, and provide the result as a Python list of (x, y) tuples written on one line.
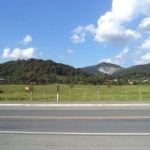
[(79, 33)]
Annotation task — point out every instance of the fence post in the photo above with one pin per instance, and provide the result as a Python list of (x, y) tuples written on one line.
[(140, 95), (18, 96), (44, 95), (58, 91), (84, 94), (57, 97), (31, 96), (112, 95), (70, 95), (126, 95), (6, 96), (98, 95)]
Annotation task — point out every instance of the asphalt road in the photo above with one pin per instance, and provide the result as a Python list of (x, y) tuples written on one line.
[(75, 121), (65, 128)]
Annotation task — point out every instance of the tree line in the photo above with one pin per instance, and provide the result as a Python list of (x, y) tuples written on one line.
[(48, 72)]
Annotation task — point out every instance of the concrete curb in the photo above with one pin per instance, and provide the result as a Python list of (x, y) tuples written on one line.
[(78, 105)]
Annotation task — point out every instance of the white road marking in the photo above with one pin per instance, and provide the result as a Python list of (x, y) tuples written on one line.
[(75, 133), (75, 117)]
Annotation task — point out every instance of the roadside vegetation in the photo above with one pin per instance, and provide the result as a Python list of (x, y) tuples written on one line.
[(75, 93), (36, 80)]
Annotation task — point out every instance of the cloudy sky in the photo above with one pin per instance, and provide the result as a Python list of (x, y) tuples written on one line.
[(76, 32)]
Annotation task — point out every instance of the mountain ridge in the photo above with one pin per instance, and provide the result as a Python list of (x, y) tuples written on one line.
[(52, 72), (101, 68), (117, 71)]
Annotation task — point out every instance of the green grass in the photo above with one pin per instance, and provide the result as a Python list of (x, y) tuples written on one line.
[(115, 93)]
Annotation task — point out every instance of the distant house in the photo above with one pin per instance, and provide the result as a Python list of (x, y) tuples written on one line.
[(110, 81), (144, 81), (132, 82), (2, 80)]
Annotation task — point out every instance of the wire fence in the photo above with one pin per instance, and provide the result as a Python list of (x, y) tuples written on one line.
[(71, 95)]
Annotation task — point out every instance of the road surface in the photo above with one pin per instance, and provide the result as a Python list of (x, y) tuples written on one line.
[(74, 128)]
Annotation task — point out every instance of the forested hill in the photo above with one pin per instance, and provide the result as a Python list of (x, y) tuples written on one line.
[(131, 72), (40, 71), (137, 71), (102, 68), (48, 71)]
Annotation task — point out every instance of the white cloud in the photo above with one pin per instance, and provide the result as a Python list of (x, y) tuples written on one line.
[(18, 53), (146, 44), (136, 53), (123, 53), (6, 52), (144, 26), (140, 56), (138, 62), (123, 10), (146, 57), (118, 59), (108, 60), (78, 39), (128, 10), (112, 26), (143, 60), (81, 32), (78, 30), (70, 51), (26, 40)]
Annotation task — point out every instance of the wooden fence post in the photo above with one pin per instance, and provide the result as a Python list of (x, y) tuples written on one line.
[(44, 95), (98, 95), (140, 95), (6, 96), (84, 95), (31, 96), (18, 96)]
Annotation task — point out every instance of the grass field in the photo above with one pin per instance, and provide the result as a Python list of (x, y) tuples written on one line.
[(80, 93)]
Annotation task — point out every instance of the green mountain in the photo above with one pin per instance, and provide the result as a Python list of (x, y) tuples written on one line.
[(119, 72), (41, 71), (102, 68), (48, 71), (131, 72)]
